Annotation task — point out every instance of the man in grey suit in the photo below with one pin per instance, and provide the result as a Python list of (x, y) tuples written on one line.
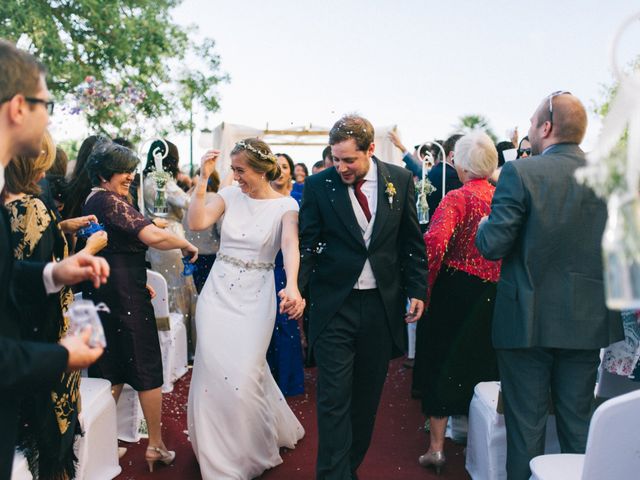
[(550, 318)]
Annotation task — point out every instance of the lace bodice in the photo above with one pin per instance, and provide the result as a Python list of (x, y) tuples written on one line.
[(251, 229), (121, 221)]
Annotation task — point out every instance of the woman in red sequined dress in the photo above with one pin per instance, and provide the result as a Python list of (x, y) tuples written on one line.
[(456, 352)]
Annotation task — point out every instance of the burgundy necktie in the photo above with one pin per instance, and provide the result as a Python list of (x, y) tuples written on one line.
[(362, 199)]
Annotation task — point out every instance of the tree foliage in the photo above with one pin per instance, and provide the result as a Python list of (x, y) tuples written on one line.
[(468, 123), (125, 45)]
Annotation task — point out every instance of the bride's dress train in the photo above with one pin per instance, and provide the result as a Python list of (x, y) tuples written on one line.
[(237, 417)]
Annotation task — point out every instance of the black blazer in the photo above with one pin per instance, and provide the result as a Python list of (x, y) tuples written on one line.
[(451, 182), (333, 251), (24, 366), (548, 229)]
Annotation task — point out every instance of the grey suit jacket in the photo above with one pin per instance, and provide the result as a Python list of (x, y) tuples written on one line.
[(547, 228)]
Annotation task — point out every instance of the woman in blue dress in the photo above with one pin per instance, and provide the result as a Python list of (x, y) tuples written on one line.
[(299, 172), (285, 350)]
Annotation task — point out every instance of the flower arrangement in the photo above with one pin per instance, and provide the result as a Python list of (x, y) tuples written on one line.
[(93, 96), (424, 188)]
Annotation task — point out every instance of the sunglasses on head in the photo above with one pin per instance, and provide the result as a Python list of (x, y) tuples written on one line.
[(550, 97)]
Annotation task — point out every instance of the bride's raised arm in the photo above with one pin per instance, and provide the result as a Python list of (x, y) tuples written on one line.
[(202, 215), (292, 302)]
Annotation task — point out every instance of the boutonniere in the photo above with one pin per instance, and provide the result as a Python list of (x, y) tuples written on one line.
[(390, 190)]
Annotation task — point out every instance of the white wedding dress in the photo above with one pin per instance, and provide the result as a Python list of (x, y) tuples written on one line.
[(237, 416)]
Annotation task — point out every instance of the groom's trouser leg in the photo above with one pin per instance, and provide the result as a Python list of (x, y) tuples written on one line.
[(373, 352), (334, 352)]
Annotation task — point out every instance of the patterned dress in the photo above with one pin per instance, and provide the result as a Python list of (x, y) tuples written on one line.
[(133, 352), (454, 351), (49, 419)]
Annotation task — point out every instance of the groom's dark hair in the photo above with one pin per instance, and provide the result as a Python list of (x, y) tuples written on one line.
[(352, 126)]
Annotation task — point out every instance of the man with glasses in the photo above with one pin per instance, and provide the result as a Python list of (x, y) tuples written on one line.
[(550, 318), (26, 366)]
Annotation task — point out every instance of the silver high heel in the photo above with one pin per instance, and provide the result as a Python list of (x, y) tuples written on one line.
[(159, 455), (433, 459)]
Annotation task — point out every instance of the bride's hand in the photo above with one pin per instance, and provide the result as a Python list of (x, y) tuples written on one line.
[(208, 163), (292, 303)]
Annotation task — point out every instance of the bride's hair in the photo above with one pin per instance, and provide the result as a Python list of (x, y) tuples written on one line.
[(259, 157)]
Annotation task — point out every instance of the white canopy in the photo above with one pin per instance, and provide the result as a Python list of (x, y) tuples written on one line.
[(226, 135)]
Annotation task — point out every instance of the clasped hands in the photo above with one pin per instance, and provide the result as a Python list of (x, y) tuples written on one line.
[(291, 302)]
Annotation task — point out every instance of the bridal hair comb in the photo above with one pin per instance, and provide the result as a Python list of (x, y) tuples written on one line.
[(264, 156)]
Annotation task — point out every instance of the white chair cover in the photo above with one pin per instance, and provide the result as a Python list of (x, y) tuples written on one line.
[(97, 449), (612, 446), (130, 415), (612, 385), (567, 466), (173, 342), (487, 437), (20, 469)]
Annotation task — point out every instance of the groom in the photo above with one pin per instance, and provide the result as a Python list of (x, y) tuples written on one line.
[(362, 256)]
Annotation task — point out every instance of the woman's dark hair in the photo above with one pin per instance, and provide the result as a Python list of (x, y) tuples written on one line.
[(213, 184), (124, 142), (289, 161), (59, 166), (108, 159), (304, 167), (169, 164), (501, 147), (519, 154), (79, 185)]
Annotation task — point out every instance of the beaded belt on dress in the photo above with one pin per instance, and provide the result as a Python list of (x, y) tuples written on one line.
[(251, 265)]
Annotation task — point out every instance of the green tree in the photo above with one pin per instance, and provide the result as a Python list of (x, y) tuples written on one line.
[(468, 123), (120, 61)]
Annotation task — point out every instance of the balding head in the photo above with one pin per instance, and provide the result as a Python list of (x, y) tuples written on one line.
[(567, 123)]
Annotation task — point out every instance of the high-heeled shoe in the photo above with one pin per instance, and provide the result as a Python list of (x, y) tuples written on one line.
[(433, 459), (159, 455)]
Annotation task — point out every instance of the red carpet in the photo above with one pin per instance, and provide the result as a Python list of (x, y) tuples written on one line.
[(398, 441)]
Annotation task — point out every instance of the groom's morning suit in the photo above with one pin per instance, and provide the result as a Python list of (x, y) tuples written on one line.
[(550, 318), (24, 366), (357, 276)]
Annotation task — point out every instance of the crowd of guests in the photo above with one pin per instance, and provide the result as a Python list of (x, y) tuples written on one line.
[(514, 288)]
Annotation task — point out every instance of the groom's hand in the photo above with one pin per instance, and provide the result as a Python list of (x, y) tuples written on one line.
[(416, 308), (293, 306)]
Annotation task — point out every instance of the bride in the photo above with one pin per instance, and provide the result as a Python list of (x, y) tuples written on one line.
[(237, 416)]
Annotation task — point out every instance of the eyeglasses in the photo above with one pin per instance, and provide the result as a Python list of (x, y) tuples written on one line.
[(49, 104), (550, 97)]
